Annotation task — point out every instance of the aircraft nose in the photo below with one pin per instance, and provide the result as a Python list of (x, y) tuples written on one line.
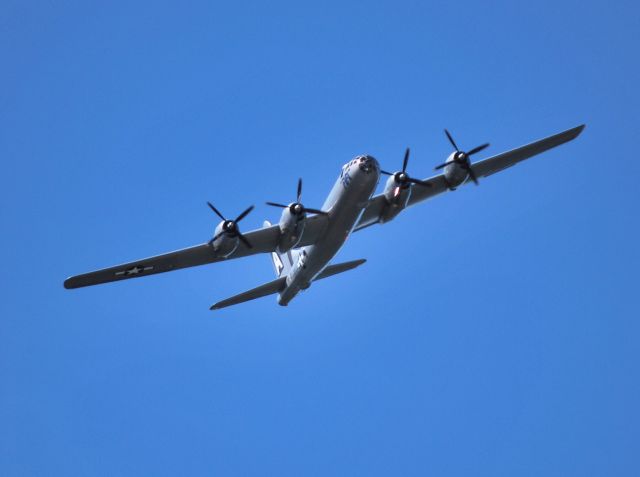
[(369, 164)]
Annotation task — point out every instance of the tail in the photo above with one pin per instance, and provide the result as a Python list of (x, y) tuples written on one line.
[(279, 284), (282, 262)]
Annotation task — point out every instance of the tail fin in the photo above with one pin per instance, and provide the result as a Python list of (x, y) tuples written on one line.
[(282, 262)]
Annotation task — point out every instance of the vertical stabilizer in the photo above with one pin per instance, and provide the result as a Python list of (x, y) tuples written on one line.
[(282, 262)]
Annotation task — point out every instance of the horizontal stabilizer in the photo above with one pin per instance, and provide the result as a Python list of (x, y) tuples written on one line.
[(279, 284), (263, 290), (339, 268)]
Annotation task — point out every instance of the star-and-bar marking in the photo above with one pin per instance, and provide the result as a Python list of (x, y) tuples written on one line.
[(135, 270)]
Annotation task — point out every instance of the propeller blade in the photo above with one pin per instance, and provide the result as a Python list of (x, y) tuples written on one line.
[(406, 160), (243, 214), (299, 189), (386, 173), (216, 211), (477, 149), (453, 143), (419, 182), (275, 204), (441, 166), (472, 175), (316, 211), (244, 240)]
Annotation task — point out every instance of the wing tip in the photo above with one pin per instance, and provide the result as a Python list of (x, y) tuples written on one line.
[(575, 132), (69, 283)]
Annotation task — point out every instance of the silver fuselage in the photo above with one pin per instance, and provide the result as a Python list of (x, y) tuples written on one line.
[(349, 196)]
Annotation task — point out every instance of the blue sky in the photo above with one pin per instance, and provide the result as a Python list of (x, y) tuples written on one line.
[(493, 331)]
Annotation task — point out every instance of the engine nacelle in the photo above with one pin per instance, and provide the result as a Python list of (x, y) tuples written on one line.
[(226, 242), (397, 196), (454, 173), (291, 229)]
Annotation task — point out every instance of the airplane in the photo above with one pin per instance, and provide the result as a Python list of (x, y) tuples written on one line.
[(302, 245)]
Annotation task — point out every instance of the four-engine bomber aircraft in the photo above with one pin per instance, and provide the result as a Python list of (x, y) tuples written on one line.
[(301, 246)]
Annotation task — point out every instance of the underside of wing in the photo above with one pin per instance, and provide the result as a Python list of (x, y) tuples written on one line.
[(188, 257), (263, 240), (374, 210), (510, 158), (438, 184)]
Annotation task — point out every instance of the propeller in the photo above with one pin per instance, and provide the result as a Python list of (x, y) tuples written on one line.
[(296, 208), (230, 227), (402, 177), (462, 158)]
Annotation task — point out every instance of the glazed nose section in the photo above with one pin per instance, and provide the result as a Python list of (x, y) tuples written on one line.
[(368, 164)]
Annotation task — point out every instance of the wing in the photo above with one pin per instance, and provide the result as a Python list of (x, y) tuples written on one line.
[(264, 240), (485, 168)]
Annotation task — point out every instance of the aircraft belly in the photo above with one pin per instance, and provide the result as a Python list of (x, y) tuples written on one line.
[(344, 215), (347, 212)]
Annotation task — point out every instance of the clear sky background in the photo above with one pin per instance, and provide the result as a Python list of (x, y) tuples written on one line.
[(493, 331)]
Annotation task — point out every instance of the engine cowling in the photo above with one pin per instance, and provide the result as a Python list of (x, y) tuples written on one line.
[(292, 222), (397, 195), (398, 189), (226, 241), (456, 169), (227, 235)]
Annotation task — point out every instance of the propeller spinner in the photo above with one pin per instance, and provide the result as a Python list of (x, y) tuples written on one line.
[(296, 208), (402, 178)]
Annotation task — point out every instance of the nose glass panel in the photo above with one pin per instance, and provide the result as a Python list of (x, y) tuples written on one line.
[(368, 163)]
